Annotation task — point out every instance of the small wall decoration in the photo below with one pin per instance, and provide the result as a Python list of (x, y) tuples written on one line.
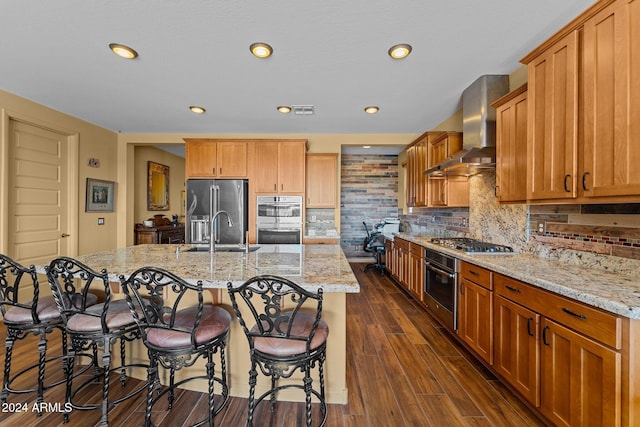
[(100, 195)]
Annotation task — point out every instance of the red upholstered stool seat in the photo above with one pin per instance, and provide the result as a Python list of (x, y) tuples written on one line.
[(215, 321), (281, 347)]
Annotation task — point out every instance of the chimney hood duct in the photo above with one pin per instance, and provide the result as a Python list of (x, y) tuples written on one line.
[(479, 128)]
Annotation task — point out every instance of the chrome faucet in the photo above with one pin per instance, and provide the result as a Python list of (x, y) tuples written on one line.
[(212, 224)]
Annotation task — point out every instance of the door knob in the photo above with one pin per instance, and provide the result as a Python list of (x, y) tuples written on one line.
[(63, 235)]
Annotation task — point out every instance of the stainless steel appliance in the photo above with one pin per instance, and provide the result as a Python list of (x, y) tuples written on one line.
[(206, 198), (279, 219), (468, 245), (441, 287), (441, 275)]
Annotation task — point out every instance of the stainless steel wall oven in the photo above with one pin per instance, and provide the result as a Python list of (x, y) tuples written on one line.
[(279, 219), (441, 287)]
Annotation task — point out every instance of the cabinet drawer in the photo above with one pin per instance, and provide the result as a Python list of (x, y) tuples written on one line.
[(476, 274), (417, 250), (590, 321), (401, 244)]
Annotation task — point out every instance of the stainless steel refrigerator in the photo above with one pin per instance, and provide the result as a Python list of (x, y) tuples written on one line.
[(205, 197)]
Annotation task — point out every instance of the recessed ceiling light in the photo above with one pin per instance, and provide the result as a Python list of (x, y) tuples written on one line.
[(400, 51), (284, 109), (123, 51), (261, 50), (197, 109), (371, 109)]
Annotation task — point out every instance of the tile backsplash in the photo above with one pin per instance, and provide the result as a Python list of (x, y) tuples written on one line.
[(594, 236)]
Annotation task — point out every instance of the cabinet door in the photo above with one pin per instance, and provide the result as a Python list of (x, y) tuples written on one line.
[(420, 179), (552, 118), (291, 167), (266, 168), (581, 379), (516, 347), (417, 271), (437, 192), (410, 183), (321, 180), (611, 102), (475, 318), (388, 256), (200, 159), (511, 149), (232, 159)]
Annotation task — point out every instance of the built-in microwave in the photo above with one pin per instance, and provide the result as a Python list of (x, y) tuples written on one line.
[(279, 219)]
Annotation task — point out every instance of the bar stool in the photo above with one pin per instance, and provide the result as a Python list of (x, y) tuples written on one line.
[(38, 316), (178, 333), (90, 326), (288, 335)]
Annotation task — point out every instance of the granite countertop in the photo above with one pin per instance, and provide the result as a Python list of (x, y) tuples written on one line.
[(311, 266), (612, 292)]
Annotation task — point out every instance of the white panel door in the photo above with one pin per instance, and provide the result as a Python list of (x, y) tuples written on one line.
[(38, 199)]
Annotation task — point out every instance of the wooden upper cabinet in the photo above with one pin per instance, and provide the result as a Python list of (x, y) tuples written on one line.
[(443, 145), (449, 191), (417, 162), (321, 182), (552, 117), (291, 166), (584, 108), (511, 146), (611, 58), (210, 158), (410, 184), (200, 159), (232, 159), (279, 166)]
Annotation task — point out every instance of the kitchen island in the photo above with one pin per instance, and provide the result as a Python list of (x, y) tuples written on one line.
[(311, 266)]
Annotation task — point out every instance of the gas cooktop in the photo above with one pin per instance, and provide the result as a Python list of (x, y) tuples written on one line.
[(468, 245)]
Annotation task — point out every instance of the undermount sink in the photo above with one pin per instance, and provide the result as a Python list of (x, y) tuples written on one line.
[(223, 248)]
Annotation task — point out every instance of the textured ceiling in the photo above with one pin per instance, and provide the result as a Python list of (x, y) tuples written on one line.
[(331, 54)]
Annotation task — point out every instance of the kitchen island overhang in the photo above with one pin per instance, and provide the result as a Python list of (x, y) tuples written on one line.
[(311, 266)]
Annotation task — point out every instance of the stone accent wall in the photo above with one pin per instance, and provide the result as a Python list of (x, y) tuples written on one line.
[(369, 192)]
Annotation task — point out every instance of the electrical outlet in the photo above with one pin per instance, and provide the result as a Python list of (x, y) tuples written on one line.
[(100, 221), (541, 227)]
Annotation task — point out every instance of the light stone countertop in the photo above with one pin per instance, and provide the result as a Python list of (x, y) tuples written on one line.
[(311, 266), (612, 292)]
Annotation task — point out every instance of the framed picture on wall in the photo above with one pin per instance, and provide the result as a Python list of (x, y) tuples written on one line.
[(100, 195)]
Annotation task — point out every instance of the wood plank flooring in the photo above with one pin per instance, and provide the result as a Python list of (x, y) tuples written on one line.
[(403, 369)]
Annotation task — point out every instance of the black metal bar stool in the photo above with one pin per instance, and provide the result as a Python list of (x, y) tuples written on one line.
[(288, 336), (91, 326), (178, 333), (38, 316)]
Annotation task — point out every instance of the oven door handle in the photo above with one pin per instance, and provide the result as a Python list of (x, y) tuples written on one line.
[(440, 271), (274, 230)]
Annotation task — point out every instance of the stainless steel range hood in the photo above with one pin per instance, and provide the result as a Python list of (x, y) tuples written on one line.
[(479, 128)]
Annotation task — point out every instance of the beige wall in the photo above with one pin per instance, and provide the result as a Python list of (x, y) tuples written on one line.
[(176, 181), (93, 142)]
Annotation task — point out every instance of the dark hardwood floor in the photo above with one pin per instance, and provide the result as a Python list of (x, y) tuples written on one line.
[(402, 370)]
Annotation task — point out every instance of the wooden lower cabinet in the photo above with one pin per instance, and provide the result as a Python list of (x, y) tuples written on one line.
[(552, 350), (475, 318), (416, 270), (581, 379), (516, 347)]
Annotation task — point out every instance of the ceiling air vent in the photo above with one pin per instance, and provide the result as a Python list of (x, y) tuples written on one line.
[(303, 110)]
